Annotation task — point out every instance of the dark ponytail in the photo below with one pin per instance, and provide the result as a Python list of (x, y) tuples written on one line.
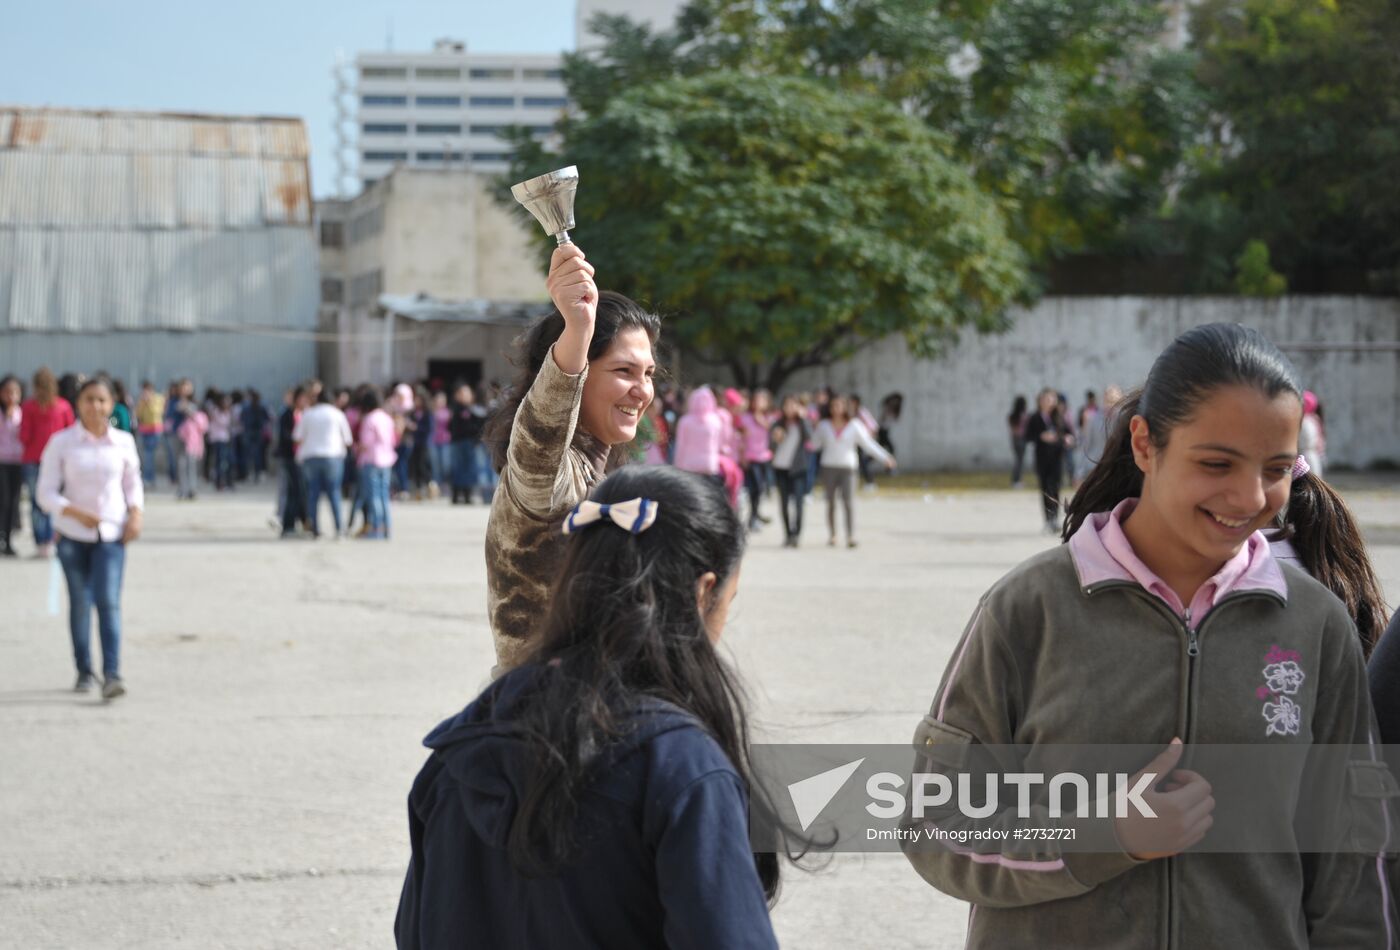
[(1116, 476), (1192, 366), (1331, 549)]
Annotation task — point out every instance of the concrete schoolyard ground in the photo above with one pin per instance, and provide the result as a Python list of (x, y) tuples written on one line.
[(249, 792)]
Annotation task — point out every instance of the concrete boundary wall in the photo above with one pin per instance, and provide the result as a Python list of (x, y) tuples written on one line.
[(1346, 348)]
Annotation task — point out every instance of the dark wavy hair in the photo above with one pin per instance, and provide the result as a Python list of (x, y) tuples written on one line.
[(1185, 374), (615, 314), (1332, 549), (625, 627)]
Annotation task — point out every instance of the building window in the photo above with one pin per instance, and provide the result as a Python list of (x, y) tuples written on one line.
[(439, 156), (332, 290), (384, 100), (332, 234), (385, 128), (491, 102), (487, 129), (542, 74), (541, 129), (368, 224), (366, 287), (490, 156), (439, 101), (386, 156), (437, 74), (493, 73), (449, 128), (384, 72), (557, 102)]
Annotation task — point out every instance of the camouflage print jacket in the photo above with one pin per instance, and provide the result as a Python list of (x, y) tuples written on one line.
[(550, 467)]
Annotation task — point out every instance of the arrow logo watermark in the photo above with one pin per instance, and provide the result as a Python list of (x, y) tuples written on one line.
[(811, 795)]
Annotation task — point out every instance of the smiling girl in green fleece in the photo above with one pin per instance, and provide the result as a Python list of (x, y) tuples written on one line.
[(1166, 619)]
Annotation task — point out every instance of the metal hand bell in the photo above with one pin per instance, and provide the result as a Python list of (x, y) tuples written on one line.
[(550, 198)]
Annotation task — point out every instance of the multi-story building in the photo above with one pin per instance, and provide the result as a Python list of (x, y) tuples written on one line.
[(425, 275), (657, 15), (447, 107)]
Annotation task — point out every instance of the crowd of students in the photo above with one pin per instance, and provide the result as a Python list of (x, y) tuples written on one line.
[(1065, 447)]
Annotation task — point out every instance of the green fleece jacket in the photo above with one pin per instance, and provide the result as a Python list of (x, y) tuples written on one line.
[(1062, 650)]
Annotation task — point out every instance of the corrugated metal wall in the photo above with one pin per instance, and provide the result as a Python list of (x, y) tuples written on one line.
[(226, 360), (150, 221)]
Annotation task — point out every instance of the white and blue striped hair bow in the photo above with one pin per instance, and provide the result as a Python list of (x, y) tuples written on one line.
[(635, 516)]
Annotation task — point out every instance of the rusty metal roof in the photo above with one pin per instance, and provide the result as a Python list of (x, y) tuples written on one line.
[(124, 220)]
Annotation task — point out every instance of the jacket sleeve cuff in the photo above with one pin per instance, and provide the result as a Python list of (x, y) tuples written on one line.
[(1098, 856)]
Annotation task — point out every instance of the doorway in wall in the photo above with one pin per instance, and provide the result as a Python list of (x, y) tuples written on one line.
[(445, 375)]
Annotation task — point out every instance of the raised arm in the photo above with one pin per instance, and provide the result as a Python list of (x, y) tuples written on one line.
[(544, 423), (574, 293)]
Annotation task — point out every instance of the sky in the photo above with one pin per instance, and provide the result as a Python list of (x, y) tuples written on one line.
[(244, 57)]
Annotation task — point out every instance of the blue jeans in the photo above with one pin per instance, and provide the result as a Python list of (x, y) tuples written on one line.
[(374, 495), (464, 465), (441, 457), (39, 519), (150, 443), (486, 476), (222, 464), (401, 465), (94, 574), (323, 475), (172, 444), (254, 455)]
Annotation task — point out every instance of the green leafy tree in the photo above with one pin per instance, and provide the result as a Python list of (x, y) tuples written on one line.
[(783, 222), (1069, 112), (1304, 143), (1254, 276)]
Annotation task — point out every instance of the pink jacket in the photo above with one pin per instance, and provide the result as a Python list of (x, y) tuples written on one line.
[(192, 434), (700, 434), (756, 437), (377, 440)]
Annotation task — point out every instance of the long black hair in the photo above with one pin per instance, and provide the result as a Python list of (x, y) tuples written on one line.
[(1331, 548), (626, 626), (615, 314), (1185, 374)]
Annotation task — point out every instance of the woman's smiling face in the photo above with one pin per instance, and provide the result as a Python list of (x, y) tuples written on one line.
[(1223, 474), (619, 388)]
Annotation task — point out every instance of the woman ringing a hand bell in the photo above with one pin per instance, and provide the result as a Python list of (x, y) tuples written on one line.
[(586, 378)]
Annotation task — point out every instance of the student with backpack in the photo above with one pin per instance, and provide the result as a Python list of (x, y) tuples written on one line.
[(1164, 620), (596, 796)]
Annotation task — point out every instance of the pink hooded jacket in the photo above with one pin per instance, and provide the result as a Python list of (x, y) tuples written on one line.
[(700, 434)]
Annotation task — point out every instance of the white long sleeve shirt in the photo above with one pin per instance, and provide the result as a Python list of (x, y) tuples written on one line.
[(322, 432), (98, 474), (838, 448)]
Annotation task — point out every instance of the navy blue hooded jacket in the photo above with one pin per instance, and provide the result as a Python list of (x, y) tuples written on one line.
[(663, 859)]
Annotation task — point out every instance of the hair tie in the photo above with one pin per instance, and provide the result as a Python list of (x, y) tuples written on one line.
[(1300, 467), (634, 516)]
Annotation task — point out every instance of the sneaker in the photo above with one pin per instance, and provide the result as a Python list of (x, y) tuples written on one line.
[(851, 542), (113, 687), (8, 551), (86, 681)]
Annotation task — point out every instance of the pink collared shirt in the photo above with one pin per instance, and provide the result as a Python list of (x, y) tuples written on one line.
[(1102, 552), (98, 474)]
